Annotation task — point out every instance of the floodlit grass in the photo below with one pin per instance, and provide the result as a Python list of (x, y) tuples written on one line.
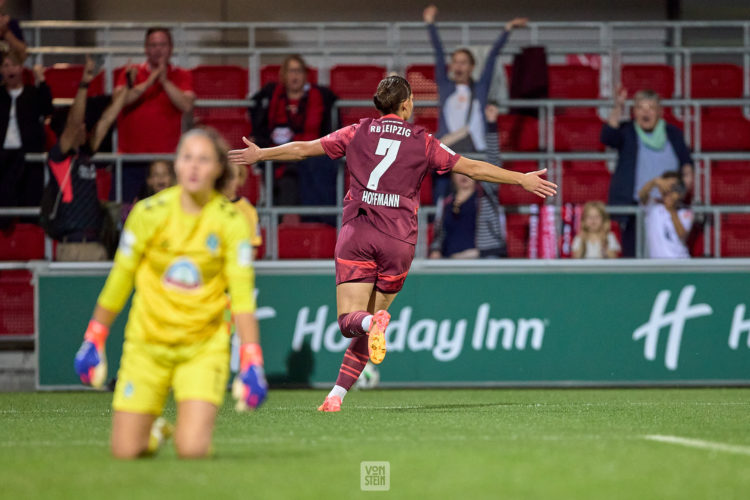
[(440, 444)]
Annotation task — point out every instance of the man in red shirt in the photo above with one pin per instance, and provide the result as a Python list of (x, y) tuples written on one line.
[(156, 100)]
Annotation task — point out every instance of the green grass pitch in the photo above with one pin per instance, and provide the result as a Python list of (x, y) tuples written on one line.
[(440, 444)]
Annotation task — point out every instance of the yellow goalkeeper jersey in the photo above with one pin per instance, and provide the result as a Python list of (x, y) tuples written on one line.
[(181, 266)]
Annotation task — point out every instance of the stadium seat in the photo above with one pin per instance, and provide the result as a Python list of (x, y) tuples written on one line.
[(306, 240), (421, 77), (518, 133), (715, 81), (735, 235), (27, 76), (577, 133), (516, 195), (270, 73), (219, 82), (656, 77), (518, 236), (22, 242), (427, 118), (354, 115), (63, 80), (16, 303), (721, 133), (730, 182), (425, 192), (251, 188), (356, 81), (573, 82), (232, 129), (585, 181)]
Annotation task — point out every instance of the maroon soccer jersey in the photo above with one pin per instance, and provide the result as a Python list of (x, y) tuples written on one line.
[(387, 159)]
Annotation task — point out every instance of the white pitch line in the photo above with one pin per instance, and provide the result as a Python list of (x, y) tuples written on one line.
[(699, 443)]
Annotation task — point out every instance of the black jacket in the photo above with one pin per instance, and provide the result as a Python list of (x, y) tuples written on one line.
[(32, 107)]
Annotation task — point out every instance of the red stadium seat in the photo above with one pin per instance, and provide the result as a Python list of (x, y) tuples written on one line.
[(427, 118), (735, 235), (516, 195), (518, 236), (576, 82), (425, 192), (356, 81), (715, 81), (63, 80), (720, 133), (232, 129), (730, 182), (270, 73), (518, 133), (251, 188), (220, 82), (16, 303), (306, 241), (27, 76), (577, 133), (22, 242), (421, 77), (585, 181), (354, 115), (656, 77)]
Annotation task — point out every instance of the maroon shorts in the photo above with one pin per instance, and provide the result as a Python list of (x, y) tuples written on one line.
[(366, 255)]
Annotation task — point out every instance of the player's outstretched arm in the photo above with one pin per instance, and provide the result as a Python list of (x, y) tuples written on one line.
[(292, 151), (483, 171)]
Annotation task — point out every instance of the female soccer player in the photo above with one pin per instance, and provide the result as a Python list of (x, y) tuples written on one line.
[(387, 159), (182, 249)]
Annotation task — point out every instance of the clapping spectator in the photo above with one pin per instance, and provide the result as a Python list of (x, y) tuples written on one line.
[(647, 147), (294, 109), (71, 212), (157, 97), (11, 36), (668, 220), (595, 240), (23, 109)]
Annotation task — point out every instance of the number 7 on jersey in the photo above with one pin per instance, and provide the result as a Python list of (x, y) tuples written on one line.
[(389, 148)]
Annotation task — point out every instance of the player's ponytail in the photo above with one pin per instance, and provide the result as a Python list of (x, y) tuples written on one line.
[(220, 146), (392, 91)]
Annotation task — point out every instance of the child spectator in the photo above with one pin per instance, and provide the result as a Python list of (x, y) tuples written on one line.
[(668, 221), (160, 177), (595, 239)]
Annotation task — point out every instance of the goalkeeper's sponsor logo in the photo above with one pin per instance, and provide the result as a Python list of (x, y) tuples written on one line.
[(244, 254), (127, 241), (182, 274)]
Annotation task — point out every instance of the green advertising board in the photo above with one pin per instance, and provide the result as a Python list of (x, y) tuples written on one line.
[(480, 327)]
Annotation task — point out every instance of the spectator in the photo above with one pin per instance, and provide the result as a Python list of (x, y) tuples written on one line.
[(11, 36), (237, 179), (160, 176), (595, 239), (647, 147), (668, 220), (488, 229), (296, 110), (71, 212), (23, 109), (461, 124), (152, 119)]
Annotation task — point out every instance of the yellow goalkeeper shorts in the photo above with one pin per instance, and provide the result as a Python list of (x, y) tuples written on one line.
[(195, 372)]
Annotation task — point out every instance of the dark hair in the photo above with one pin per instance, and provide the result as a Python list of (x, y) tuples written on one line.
[(157, 29), (468, 54), (220, 147), (12, 55), (392, 91), (670, 174)]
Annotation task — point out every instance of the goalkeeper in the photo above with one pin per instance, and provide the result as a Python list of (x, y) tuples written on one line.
[(180, 249)]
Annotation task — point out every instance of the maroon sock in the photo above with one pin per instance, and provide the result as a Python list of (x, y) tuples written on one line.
[(355, 359), (351, 324)]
